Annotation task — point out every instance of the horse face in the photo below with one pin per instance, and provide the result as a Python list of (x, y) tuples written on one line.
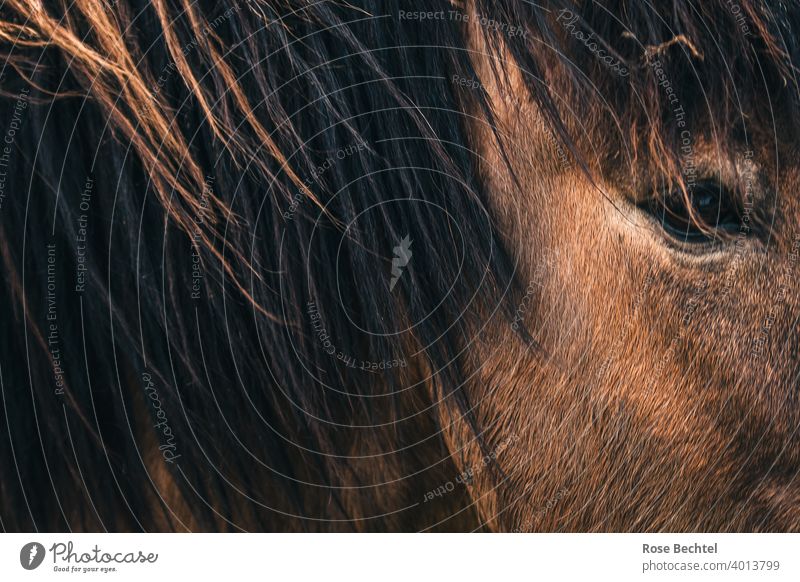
[(663, 391)]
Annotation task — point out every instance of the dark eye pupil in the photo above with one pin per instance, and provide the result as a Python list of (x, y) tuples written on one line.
[(707, 206), (705, 201)]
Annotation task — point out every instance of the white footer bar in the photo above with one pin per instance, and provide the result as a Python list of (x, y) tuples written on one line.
[(401, 557)]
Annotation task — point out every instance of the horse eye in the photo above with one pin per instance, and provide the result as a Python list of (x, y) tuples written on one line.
[(708, 215)]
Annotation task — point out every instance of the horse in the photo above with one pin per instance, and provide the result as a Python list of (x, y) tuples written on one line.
[(466, 265)]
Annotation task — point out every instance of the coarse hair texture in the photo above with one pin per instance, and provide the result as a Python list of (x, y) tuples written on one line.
[(198, 221)]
